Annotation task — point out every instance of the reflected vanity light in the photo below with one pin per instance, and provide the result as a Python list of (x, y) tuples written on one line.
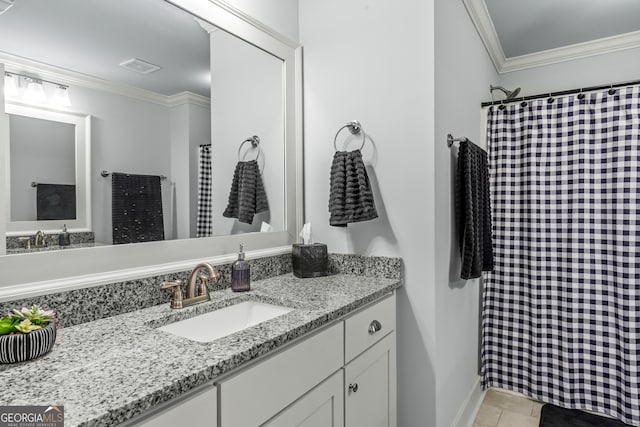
[(11, 86), (61, 97), (35, 91)]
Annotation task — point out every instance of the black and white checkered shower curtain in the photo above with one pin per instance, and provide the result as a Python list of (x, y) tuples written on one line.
[(561, 309), (204, 225)]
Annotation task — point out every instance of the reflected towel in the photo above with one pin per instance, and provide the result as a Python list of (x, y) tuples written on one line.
[(350, 195), (55, 201), (136, 208), (247, 196), (473, 211)]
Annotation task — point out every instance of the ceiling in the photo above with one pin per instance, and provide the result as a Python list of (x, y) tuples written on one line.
[(93, 37), (522, 34)]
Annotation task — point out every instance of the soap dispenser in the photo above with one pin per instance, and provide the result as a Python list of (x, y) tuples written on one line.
[(64, 239), (240, 273)]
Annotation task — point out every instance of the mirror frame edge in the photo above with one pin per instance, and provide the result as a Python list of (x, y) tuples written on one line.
[(92, 265)]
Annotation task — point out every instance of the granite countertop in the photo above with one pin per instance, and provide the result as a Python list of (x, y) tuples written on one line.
[(110, 370)]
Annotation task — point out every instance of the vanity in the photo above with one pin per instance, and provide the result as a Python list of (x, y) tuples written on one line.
[(329, 361)]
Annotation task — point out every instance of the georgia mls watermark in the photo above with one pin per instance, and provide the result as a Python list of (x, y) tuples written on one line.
[(32, 416)]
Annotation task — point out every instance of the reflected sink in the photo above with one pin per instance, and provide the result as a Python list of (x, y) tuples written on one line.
[(225, 321)]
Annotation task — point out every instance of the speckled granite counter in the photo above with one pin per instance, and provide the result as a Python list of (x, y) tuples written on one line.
[(107, 371)]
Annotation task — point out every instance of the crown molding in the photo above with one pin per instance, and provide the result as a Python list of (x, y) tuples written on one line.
[(21, 65), (480, 17), (188, 98)]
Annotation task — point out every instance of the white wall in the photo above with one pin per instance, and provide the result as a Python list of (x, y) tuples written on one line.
[(247, 100), (373, 61), (597, 70), (41, 151), (463, 74)]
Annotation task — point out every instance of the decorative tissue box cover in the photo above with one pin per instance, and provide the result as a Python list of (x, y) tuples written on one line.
[(309, 260), (20, 347)]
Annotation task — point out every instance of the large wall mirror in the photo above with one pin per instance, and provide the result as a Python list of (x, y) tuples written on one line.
[(181, 101)]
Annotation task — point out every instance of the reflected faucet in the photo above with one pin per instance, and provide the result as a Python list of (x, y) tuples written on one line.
[(39, 241)]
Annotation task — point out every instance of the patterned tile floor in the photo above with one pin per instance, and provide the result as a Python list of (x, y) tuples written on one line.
[(501, 409)]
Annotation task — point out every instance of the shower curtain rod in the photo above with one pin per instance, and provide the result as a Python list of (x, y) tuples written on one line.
[(563, 92)]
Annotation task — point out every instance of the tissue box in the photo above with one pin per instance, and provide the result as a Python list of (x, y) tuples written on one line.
[(309, 260)]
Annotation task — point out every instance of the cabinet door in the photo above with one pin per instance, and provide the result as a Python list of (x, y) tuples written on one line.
[(321, 407), (370, 386)]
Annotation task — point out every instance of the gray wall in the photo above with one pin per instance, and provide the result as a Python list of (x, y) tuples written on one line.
[(463, 74), (373, 61)]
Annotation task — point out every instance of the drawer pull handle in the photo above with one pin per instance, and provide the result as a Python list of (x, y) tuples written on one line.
[(374, 327), (353, 388)]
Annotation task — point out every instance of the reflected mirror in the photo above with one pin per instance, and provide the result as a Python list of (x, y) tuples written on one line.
[(172, 100)]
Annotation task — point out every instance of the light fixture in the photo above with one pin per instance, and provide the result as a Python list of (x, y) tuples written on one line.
[(5, 5), (11, 86), (35, 90), (61, 97)]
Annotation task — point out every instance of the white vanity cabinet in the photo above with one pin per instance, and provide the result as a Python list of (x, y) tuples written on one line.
[(321, 407), (370, 386), (370, 366), (342, 376), (258, 393)]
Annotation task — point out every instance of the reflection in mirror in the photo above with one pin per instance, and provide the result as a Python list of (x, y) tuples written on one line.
[(145, 74), (47, 174), (43, 169)]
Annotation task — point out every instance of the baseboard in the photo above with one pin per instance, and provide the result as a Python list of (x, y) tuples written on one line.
[(467, 413)]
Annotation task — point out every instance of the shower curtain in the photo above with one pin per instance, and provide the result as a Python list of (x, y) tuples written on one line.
[(561, 309), (204, 225)]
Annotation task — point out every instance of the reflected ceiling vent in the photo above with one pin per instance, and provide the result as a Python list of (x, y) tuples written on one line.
[(139, 66)]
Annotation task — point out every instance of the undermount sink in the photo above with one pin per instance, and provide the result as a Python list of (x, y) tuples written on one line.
[(225, 321)]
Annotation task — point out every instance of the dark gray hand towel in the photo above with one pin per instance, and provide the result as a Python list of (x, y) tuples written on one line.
[(473, 211), (136, 208), (350, 195), (55, 201), (247, 196)]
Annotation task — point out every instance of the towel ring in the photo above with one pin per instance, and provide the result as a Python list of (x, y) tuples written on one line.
[(255, 143), (355, 128)]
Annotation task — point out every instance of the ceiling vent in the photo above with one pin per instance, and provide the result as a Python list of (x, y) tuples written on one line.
[(139, 66)]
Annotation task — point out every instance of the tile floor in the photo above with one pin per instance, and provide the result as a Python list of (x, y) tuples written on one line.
[(501, 409)]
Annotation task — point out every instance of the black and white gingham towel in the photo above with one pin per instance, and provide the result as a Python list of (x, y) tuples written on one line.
[(204, 225), (561, 317)]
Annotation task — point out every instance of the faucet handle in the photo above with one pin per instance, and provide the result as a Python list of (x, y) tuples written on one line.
[(176, 292), (26, 240), (203, 286)]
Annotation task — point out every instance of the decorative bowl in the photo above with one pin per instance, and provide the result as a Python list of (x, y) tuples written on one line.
[(20, 347)]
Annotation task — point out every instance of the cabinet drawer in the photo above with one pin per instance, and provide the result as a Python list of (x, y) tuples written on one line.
[(198, 408), (254, 395), (367, 327)]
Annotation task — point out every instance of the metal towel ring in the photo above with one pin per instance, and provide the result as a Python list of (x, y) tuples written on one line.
[(355, 128), (255, 143)]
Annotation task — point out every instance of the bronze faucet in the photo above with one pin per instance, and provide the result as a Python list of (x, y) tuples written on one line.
[(39, 241), (177, 301)]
